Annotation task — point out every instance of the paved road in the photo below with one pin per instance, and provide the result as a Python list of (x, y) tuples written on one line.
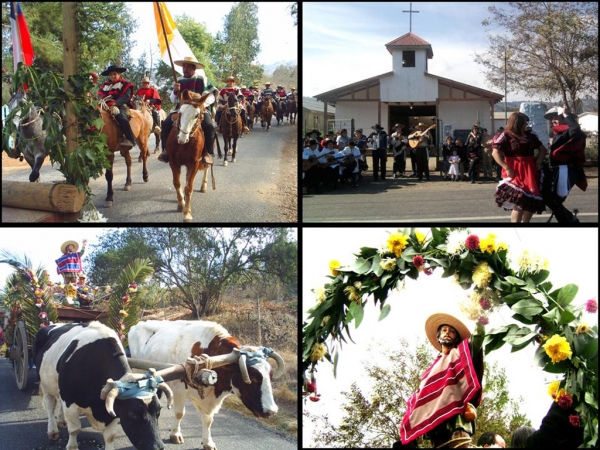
[(407, 200), (23, 425), (246, 191)]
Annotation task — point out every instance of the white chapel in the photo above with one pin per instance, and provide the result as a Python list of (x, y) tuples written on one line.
[(409, 94)]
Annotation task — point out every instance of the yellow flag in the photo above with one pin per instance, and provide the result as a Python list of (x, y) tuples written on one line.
[(170, 26)]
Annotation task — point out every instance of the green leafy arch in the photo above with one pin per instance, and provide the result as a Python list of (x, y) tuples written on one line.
[(549, 321)]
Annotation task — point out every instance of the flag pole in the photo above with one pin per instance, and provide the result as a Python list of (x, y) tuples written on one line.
[(166, 40)]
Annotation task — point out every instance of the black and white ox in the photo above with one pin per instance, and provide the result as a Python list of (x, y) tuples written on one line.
[(77, 364), (250, 379)]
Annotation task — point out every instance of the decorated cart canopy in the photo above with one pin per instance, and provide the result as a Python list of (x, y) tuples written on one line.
[(35, 302), (547, 317)]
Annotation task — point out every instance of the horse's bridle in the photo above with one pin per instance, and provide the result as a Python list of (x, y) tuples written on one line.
[(194, 127)]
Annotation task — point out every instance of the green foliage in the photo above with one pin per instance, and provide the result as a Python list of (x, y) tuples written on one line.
[(238, 45), (19, 298), (124, 304)]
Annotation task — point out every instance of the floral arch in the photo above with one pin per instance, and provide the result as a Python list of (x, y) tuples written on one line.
[(565, 345)]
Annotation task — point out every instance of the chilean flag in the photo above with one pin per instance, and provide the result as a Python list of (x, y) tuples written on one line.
[(22, 49)]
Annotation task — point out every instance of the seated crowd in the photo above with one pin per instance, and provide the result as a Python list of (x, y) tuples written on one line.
[(338, 159)]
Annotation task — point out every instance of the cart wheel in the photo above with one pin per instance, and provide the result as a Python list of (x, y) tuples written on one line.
[(21, 361)]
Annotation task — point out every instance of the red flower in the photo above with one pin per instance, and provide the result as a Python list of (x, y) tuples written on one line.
[(483, 320), (591, 306), (565, 401), (472, 242), (311, 387), (485, 304), (418, 261), (315, 398), (574, 419)]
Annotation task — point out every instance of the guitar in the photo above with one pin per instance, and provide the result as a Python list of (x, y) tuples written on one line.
[(314, 161), (416, 140)]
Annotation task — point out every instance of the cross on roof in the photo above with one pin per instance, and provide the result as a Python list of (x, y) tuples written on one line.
[(411, 12)]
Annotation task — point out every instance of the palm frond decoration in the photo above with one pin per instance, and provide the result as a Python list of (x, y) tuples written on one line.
[(28, 295), (123, 306)]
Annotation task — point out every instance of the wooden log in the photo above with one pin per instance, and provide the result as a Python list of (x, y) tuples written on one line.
[(63, 198)]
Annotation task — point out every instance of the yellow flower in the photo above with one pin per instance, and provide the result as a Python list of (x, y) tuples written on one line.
[(334, 264), (502, 246), (397, 243), (388, 264), (123, 313), (321, 294), (488, 244), (420, 237), (482, 275), (582, 328), (319, 350), (553, 388), (557, 348), (352, 293)]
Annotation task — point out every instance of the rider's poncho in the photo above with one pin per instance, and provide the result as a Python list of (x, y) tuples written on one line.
[(445, 389), (69, 263)]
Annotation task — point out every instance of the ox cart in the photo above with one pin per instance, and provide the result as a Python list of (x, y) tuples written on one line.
[(21, 350)]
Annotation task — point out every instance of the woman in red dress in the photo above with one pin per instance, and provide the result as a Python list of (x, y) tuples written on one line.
[(513, 150)]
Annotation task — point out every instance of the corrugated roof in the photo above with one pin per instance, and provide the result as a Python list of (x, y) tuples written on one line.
[(410, 40), (315, 105)]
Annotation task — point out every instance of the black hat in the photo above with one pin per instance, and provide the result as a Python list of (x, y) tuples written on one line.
[(113, 68), (377, 127), (317, 132), (351, 143)]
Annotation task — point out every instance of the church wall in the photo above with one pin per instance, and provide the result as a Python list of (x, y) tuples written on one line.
[(462, 115), (363, 113), (408, 84)]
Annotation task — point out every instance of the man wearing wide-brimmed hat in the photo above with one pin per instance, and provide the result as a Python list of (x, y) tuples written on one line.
[(444, 405), (120, 90), (152, 98), (224, 95), (69, 265), (266, 92), (195, 83)]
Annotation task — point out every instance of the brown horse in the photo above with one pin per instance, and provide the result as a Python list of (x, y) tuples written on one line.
[(266, 112), (184, 147), (230, 127), (115, 136), (293, 109), (250, 113)]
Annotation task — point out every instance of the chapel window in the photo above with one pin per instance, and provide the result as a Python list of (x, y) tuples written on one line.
[(408, 58)]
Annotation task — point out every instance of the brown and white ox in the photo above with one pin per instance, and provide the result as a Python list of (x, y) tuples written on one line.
[(173, 342)]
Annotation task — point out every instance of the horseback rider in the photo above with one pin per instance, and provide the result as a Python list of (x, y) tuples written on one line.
[(152, 98), (223, 96), (292, 94), (200, 85), (120, 91), (267, 92)]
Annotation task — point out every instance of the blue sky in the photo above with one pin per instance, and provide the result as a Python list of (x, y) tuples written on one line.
[(345, 42)]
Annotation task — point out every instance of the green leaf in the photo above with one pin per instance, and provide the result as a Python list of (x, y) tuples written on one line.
[(361, 266), (384, 312), (523, 340), (384, 279), (376, 266), (566, 294), (566, 317), (442, 262), (408, 254), (590, 400), (515, 280), (540, 276), (357, 312), (541, 358), (514, 298), (335, 361), (590, 349), (367, 252), (527, 307)]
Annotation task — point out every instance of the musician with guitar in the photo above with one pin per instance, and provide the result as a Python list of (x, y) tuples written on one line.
[(350, 166), (420, 140), (320, 165)]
